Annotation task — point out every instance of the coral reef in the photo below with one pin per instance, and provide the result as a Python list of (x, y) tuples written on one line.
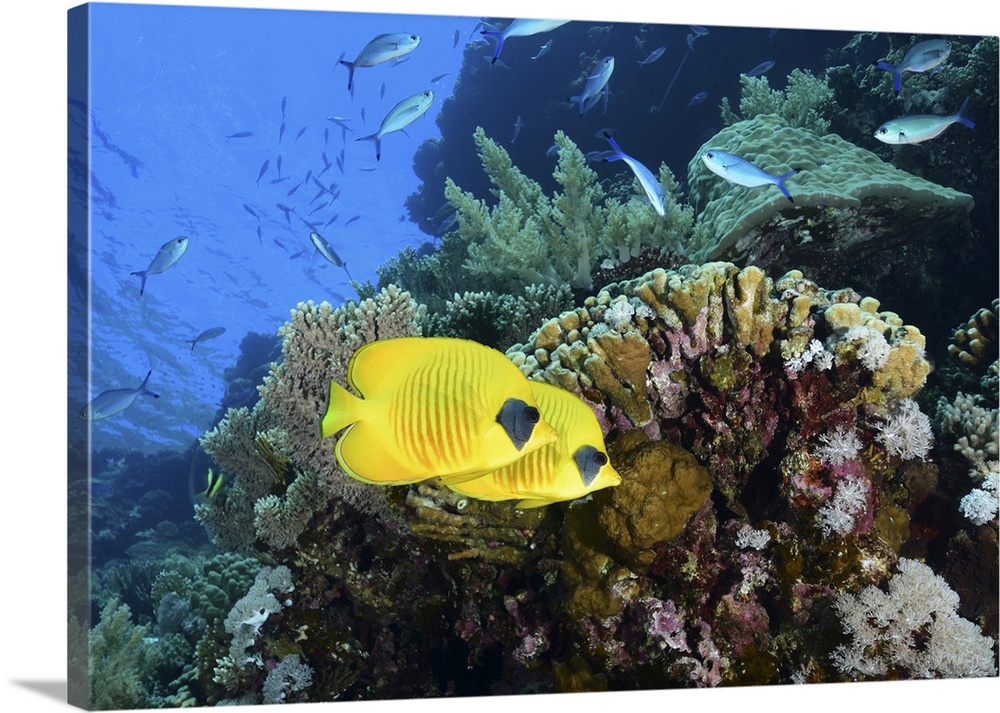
[(849, 206), (911, 631), (806, 101), (271, 504), (531, 238)]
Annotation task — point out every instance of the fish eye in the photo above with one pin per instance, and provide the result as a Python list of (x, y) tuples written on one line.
[(710, 154), (531, 414), (600, 458)]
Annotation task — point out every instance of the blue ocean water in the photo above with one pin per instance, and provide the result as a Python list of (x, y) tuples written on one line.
[(168, 86)]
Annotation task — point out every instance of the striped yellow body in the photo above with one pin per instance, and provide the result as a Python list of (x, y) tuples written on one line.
[(550, 474), (429, 409)]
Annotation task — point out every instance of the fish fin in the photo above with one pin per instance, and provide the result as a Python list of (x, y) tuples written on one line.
[(376, 364), (499, 38), (780, 183), (960, 114), (342, 410), (618, 155), (530, 503), (142, 387), (350, 75), (142, 285)]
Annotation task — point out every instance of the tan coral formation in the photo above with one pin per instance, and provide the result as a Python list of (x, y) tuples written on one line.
[(713, 312), (318, 341)]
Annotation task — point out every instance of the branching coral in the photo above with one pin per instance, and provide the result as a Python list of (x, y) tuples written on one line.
[(318, 342), (806, 102), (530, 238)]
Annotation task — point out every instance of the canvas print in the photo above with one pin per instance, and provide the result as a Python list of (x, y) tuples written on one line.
[(423, 356)]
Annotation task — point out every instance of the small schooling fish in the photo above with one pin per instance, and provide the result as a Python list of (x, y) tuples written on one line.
[(761, 68), (324, 249), (738, 170), (519, 28), (596, 86), (653, 56), (166, 257), (921, 57), (697, 99), (650, 185), (383, 48), (240, 135), (543, 50), (517, 128), (210, 333), (399, 117), (920, 127), (110, 402)]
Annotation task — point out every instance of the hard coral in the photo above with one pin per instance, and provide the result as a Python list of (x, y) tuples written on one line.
[(849, 205), (531, 238)]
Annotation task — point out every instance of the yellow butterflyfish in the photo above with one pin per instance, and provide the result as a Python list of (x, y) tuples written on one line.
[(575, 465), (432, 407)]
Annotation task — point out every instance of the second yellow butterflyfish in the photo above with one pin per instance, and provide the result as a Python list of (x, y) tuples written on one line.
[(432, 407), (575, 465)]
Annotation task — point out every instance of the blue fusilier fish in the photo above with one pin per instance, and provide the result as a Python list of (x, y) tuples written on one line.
[(543, 50), (650, 185), (324, 249), (596, 86), (653, 56), (167, 256), (761, 68), (697, 99), (920, 127), (921, 57), (110, 402), (738, 170), (399, 117), (383, 48), (210, 333), (519, 28)]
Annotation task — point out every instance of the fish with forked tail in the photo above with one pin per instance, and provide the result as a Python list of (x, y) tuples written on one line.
[(167, 256), (920, 58), (920, 127), (113, 401), (738, 170), (399, 117), (383, 48)]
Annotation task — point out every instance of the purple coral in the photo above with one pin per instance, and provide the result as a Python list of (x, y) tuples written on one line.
[(667, 624)]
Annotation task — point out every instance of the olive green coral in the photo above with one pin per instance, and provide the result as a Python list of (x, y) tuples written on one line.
[(845, 198), (662, 486)]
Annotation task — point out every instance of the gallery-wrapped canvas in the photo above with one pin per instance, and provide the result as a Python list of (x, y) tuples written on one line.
[(417, 356)]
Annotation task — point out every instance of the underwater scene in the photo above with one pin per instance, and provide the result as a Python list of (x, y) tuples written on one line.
[(419, 356)]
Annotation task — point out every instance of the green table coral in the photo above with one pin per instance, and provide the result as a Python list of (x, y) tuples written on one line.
[(849, 205)]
